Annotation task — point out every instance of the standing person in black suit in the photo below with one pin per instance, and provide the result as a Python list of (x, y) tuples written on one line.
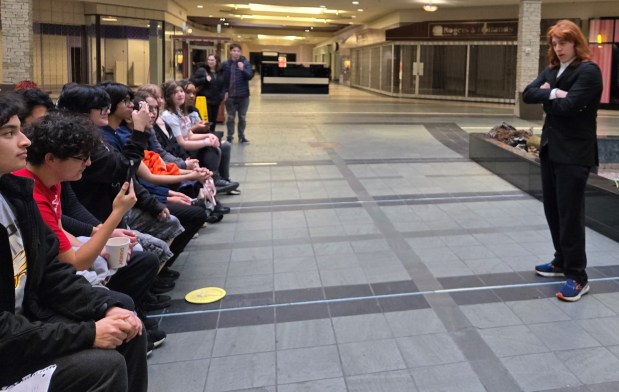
[(570, 89)]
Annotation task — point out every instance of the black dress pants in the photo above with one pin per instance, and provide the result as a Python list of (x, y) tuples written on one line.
[(563, 188), (135, 279), (192, 218)]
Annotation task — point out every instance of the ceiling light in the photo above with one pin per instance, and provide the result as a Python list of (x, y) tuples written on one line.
[(307, 30), (360, 9), (430, 7), (283, 9), (200, 6), (109, 19), (355, 2)]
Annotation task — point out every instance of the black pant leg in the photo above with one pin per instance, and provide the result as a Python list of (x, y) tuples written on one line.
[(135, 279), (192, 218), (209, 157), (224, 164), (571, 184), (213, 111), (549, 198)]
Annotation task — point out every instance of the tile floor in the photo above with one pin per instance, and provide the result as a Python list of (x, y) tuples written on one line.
[(354, 256)]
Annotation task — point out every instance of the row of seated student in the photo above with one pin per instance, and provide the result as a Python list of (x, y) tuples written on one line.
[(105, 164)]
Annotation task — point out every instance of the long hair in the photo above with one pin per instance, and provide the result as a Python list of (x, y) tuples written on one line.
[(217, 63), (567, 30), (169, 89)]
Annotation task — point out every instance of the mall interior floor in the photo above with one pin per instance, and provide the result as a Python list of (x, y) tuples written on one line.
[(368, 253)]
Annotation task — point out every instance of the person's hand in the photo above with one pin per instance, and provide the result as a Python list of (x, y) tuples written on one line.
[(200, 176), (208, 78), (201, 127), (191, 163), (109, 333), (560, 93), (141, 117), (133, 324), (546, 85), (214, 140), (225, 97), (178, 200), (204, 171), (164, 215), (123, 202), (133, 238), (95, 229), (240, 65)]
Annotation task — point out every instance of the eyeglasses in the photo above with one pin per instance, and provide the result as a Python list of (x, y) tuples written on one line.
[(84, 159), (105, 110), (127, 101)]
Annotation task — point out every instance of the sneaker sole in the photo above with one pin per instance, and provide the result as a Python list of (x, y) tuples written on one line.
[(159, 342), (584, 291), (550, 274)]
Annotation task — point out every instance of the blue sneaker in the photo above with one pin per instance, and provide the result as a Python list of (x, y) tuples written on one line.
[(548, 270), (572, 291)]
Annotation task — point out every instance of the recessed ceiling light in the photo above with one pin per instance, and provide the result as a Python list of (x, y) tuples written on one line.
[(360, 9), (353, 16), (355, 2), (307, 30), (323, 6), (200, 6)]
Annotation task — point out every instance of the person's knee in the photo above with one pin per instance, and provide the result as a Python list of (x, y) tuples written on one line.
[(95, 369)]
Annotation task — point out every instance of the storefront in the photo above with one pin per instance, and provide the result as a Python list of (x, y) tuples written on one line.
[(604, 44)]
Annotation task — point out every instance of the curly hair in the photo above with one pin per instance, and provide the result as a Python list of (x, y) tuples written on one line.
[(63, 135), (11, 104)]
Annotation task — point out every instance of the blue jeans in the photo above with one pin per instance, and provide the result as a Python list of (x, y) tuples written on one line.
[(236, 105)]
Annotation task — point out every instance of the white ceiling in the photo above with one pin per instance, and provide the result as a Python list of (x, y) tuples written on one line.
[(246, 23)]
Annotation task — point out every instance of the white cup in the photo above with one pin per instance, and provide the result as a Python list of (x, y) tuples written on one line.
[(118, 249)]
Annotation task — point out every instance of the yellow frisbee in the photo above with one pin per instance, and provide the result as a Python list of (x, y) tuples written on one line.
[(205, 295)]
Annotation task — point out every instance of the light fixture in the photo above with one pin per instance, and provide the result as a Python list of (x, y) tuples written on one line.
[(179, 57), (200, 6), (355, 2), (429, 7), (189, 30), (109, 19), (599, 38)]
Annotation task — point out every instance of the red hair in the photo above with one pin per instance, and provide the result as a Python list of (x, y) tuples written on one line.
[(567, 30)]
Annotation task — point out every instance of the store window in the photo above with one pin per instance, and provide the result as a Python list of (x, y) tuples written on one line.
[(604, 44)]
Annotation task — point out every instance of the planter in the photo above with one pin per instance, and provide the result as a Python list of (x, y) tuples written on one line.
[(522, 170)]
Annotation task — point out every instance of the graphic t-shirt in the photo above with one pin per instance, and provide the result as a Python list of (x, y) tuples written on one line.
[(48, 201), (7, 219), (180, 125)]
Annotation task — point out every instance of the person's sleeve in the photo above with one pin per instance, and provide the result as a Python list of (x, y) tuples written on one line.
[(158, 191), (225, 71), (173, 122), (76, 219), (51, 220), (146, 201), (165, 155), (248, 72), (533, 93), (199, 77), (110, 166), (585, 91)]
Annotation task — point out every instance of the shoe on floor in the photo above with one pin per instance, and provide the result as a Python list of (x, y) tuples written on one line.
[(224, 186), (234, 192), (156, 337), (571, 291), (170, 274), (230, 139), (155, 302), (214, 218), (243, 140), (548, 270), (221, 209), (149, 349)]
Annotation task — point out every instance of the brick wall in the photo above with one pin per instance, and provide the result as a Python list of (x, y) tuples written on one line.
[(17, 40)]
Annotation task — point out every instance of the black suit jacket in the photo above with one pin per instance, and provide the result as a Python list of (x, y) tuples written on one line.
[(569, 130)]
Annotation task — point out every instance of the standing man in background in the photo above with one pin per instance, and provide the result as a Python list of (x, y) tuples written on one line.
[(237, 74)]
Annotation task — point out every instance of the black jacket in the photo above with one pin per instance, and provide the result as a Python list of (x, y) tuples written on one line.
[(570, 127), (52, 288), (213, 90), (230, 70), (101, 181)]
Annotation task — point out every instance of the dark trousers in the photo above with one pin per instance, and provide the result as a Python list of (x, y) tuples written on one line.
[(192, 218), (563, 188), (120, 370), (213, 111), (137, 276)]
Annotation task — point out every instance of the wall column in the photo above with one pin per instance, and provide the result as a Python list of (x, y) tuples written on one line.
[(527, 62), (17, 45)]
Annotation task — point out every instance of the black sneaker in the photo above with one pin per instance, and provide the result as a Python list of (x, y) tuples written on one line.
[(230, 139), (234, 192), (162, 286), (224, 186), (221, 209), (169, 274), (155, 302), (214, 218), (156, 337), (243, 140)]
